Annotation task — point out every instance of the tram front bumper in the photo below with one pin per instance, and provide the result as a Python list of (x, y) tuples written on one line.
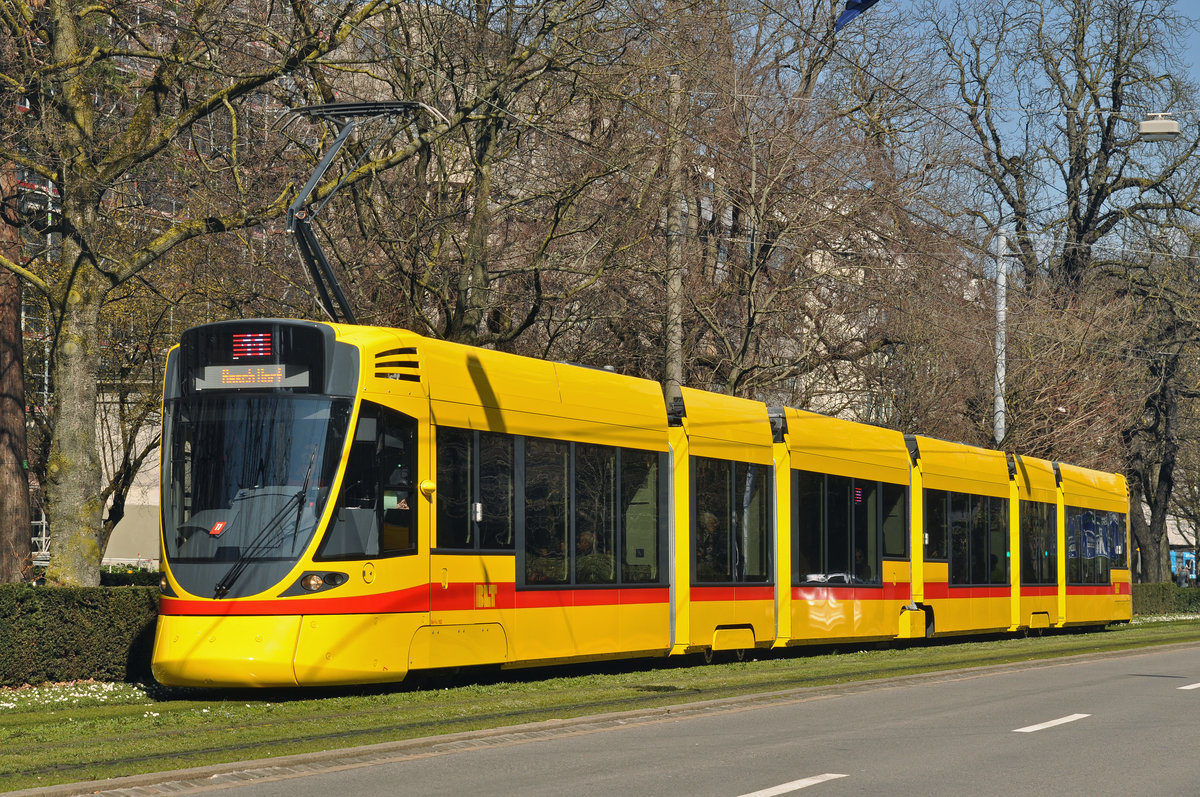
[(225, 651)]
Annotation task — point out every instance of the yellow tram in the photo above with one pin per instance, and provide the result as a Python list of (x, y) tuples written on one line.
[(348, 504)]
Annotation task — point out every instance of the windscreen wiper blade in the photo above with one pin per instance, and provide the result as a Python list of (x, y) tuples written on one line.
[(259, 543), (312, 459)]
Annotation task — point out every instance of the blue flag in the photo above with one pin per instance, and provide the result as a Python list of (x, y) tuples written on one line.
[(853, 9)]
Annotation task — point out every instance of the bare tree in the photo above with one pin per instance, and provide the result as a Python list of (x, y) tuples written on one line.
[(809, 203), (146, 119), (1051, 92), (505, 225)]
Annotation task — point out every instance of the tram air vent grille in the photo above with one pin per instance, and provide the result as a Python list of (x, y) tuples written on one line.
[(398, 364)]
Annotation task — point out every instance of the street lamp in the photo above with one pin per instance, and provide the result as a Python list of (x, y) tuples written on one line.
[(1158, 127)]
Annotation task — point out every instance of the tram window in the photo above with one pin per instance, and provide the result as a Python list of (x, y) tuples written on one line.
[(808, 492), (475, 490), (546, 494), (1115, 531), (978, 534), (641, 497), (454, 494), (960, 538), (731, 514), (592, 514), (1075, 568), (714, 559), (997, 540), (375, 514), (844, 528), (752, 497), (497, 520), (982, 560), (1039, 543), (864, 504), (936, 525), (1089, 546), (397, 468), (895, 521), (595, 514), (838, 561)]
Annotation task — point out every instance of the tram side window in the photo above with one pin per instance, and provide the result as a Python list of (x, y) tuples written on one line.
[(475, 490), (731, 521), (1116, 527), (895, 520), (844, 527), (454, 499), (1039, 543), (997, 542), (937, 527), (593, 514), (971, 531), (497, 515), (1091, 548), (808, 492), (837, 565), (547, 486), (864, 508), (641, 507), (375, 514), (961, 523)]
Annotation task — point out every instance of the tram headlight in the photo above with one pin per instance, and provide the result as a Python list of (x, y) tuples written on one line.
[(312, 582)]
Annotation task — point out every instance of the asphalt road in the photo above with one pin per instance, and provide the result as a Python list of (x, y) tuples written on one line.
[(1108, 724)]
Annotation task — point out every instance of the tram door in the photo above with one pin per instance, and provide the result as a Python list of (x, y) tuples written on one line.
[(472, 564)]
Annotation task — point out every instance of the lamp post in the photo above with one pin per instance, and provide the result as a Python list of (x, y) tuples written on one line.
[(999, 410)]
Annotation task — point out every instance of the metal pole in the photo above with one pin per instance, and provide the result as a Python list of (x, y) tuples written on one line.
[(674, 374), (998, 417)]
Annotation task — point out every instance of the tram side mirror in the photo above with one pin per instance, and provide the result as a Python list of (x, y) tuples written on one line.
[(365, 433)]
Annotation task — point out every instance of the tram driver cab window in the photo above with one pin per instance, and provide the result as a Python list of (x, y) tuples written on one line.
[(375, 514)]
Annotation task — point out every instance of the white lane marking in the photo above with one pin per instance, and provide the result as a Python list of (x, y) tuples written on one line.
[(1191, 686), (795, 785), (1043, 725)]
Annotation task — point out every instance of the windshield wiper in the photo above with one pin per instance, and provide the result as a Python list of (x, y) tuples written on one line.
[(258, 544), (262, 540), (303, 492)]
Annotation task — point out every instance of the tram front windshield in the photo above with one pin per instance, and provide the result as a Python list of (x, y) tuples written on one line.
[(246, 477)]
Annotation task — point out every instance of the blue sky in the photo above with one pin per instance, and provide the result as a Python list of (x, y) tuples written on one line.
[(1191, 52)]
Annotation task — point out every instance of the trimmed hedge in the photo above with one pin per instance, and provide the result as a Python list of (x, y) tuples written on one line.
[(76, 633), (1165, 598)]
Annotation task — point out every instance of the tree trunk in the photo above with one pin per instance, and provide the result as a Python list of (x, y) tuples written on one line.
[(15, 530), (1151, 555), (77, 536), (1152, 478)]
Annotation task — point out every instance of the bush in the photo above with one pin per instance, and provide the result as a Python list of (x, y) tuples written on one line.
[(1165, 598), (76, 633)]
